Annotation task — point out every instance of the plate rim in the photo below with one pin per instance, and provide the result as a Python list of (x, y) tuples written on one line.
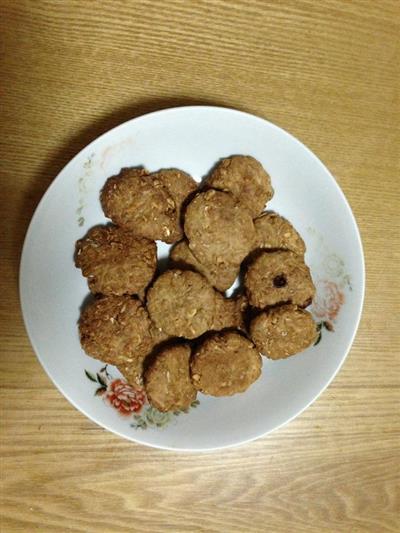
[(54, 182)]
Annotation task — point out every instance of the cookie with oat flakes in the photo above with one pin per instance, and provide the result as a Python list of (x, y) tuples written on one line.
[(116, 330), (181, 303), (224, 364), (283, 331), (115, 261), (167, 379), (246, 179), (275, 232), (142, 204), (219, 230), (278, 277)]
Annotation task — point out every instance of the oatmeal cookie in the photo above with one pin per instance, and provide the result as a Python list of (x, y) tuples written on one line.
[(225, 363), (181, 303), (167, 379), (142, 204), (246, 179), (274, 231), (115, 261), (115, 329), (278, 277), (283, 331), (219, 230)]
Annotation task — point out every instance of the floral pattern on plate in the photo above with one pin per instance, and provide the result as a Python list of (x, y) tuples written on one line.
[(326, 306), (130, 402)]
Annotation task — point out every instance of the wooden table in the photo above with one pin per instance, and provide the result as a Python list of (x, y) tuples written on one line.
[(327, 71)]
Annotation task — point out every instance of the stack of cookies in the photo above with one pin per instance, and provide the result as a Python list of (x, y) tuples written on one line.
[(176, 332)]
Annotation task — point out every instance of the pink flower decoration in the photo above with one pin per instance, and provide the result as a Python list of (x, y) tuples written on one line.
[(329, 300), (124, 398)]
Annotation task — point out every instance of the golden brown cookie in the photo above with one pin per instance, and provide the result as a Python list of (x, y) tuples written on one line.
[(229, 312), (224, 364), (274, 231), (167, 379), (278, 277), (283, 331), (219, 230), (220, 276), (115, 329), (246, 179), (181, 303), (140, 203), (179, 185), (115, 261)]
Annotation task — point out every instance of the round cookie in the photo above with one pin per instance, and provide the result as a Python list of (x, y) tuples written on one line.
[(220, 276), (283, 331), (246, 179), (278, 277), (219, 230), (181, 303), (224, 364), (179, 185), (138, 202), (115, 329), (115, 261), (229, 312), (274, 231), (167, 379)]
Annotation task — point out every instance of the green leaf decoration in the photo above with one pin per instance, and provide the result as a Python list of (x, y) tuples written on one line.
[(90, 376), (154, 417), (101, 380), (140, 423), (105, 372), (100, 391), (318, 339)]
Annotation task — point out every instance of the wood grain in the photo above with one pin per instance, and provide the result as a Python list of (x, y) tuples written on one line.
[(326, 71)]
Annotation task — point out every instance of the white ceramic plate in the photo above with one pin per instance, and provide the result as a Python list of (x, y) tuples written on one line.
[(192, 139)]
